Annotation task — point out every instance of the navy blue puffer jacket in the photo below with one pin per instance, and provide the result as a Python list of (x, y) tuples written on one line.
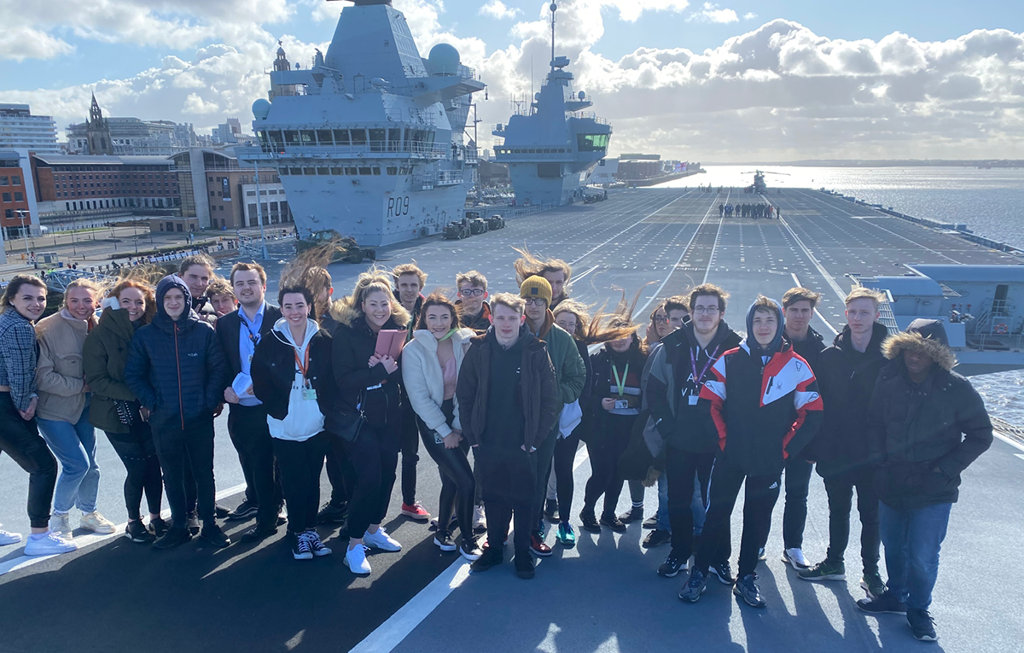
[(176, 367)]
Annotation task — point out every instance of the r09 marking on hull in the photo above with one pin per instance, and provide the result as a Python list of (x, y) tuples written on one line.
[(398, 206)]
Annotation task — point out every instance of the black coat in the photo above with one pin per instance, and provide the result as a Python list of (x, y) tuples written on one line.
[(810, 348), (352, 346), (925, 435), (273, 371), (229, 330), (605, 427)]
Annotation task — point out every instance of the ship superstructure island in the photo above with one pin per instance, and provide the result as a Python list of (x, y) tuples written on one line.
[(550, 148), (369, 141)]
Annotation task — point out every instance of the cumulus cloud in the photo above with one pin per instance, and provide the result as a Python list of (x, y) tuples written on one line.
[(712, 13), (497, 9), (24, 42)]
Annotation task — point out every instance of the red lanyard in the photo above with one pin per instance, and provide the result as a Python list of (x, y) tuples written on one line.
[(303, 365)]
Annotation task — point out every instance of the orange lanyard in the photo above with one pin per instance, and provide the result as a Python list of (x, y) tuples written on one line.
[(303, 365)]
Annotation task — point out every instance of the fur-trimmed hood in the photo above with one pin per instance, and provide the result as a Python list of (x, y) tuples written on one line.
[(345, 312), (925, 336)]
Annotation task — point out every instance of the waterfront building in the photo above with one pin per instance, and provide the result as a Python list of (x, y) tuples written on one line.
[(14, 208), (19, 129), (128, 136)]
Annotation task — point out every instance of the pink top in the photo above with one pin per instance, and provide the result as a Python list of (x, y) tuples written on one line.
[(450, 376)]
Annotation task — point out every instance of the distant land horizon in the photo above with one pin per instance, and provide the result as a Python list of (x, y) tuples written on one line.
[(881, 163)]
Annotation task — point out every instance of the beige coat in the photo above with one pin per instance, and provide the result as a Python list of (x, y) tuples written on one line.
[(59, 375)]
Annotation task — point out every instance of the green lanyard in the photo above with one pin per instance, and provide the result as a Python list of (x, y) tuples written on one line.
[(451, 332), (620, 383)]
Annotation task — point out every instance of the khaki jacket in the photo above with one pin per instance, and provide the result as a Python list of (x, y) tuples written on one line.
[(60, 377)]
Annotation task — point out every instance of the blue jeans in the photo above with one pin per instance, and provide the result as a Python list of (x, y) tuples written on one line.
[(912, 538), (74, 445)]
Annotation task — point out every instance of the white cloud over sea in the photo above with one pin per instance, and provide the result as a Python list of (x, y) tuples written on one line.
[(777, 91)]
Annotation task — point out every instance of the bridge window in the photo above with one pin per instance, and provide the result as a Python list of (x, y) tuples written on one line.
[(394, 140), (341, 137), (358, 137), (323, 136), (291, 137), (592, 142), (308, 137), (365, 170), (377, 140)]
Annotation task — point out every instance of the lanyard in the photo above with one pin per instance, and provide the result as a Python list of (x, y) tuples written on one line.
[(698, 379), (451, 332), (303, 365), (254, 331), (620, 383)]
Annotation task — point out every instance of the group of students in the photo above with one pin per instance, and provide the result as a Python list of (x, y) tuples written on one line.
[(499, 393)]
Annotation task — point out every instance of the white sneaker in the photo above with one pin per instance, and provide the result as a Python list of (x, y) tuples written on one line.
[(479, 519), (796, 558), (7, 537), (97, 523), (60, 524), (381, 540), (355, 560), (48, 544)]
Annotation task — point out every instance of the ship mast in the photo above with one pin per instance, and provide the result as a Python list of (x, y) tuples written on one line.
[(553, 8)]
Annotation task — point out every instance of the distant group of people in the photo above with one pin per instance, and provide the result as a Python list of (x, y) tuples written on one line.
[(755, 210), (499, 390)]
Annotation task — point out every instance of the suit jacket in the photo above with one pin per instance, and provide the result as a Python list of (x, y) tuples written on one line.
[(228, 329)]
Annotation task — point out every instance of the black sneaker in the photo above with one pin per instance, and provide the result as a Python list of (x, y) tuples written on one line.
[(650, 522), (636, 513), (589, 522), (491, 557), (657, 537), (193, 523), (724, 573), (922, 625), (673, 564), (220, 512), (443, 541), (470, 550), (138, 533), (887, 603), (694, 587), (332, 513), (524, 565), (613, 522), (257, 534), (551, 510), (245, 510), (172, 538), (747, 590), (213, 535), (158, 526)]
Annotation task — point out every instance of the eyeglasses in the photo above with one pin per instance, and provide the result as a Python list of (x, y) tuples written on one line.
[(536, 301), (472, 292), (710, 310)]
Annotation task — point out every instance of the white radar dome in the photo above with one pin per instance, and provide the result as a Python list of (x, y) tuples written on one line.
[(260, 109), (443, 60)]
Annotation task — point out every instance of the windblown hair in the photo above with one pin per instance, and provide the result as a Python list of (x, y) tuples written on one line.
[(437, 298), (798, 294), (219, 286), (147, 295), (529, 265), (580, 310), (618, 324)]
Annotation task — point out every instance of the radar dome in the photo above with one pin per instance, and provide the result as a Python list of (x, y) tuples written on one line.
[(260, 109), (443, 60), (581, 95)]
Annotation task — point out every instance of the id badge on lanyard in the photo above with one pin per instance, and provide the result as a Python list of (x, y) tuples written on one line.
[(308, 392)]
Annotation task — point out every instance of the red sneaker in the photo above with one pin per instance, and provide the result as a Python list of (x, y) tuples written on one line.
[(538, 546), (415, 512)]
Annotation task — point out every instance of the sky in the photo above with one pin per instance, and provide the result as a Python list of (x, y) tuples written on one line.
[(724, 81)]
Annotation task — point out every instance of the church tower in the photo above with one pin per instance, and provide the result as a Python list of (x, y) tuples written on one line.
[(281, 64), (98, 131)]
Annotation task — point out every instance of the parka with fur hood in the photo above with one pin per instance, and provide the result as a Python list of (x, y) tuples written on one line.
[(924, 434)]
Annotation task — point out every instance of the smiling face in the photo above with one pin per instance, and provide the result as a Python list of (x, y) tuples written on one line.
[(249, 288), (765, 324), (408, 289), (197, 278), (706, 314), (30, 301), (174, 303), (295, 309), (80, 302), (798, 318), (918, 363), (134, 301), (439, 320), (376, 307), (861, 314), (506, 323)]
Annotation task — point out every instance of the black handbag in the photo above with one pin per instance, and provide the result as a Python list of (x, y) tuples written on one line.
[(351, 431)]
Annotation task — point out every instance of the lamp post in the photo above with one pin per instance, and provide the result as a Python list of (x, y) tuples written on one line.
[(21, 215)]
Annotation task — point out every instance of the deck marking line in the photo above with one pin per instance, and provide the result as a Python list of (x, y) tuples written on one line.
[(821, 269), (643, 219), (92, 539)]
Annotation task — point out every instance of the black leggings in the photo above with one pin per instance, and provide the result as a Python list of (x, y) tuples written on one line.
[(138, 453), (458, 488), (300, 464), (25, 446), (605, 449), (565, 455), (374, 456)]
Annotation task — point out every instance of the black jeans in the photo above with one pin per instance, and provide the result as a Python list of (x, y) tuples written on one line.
[(374, 456), (509, 490), (565, 455), (604, 475), (794, 515), (680, 469), (840, 499), (340, 473), (458, 487), (250, 435), (22, 442), (410, 456), (138, 454), (759, 499), (300, 464), (185, 450), (545, 455)]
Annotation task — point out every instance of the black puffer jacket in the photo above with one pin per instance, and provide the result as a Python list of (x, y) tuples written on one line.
[(925, 434), (846, 378), (176, 368)]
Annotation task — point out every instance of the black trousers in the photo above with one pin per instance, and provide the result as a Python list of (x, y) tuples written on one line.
[(794, 515), (247, 426), (138, 454), (565, 455), (374, 456), (181, 451), (604, 476), (458, 487), (410, 456), (509, 491), (21, 441), (759, 499), (340, 473), (680, 469), (544, 456), (840, 498), (300, 464)]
